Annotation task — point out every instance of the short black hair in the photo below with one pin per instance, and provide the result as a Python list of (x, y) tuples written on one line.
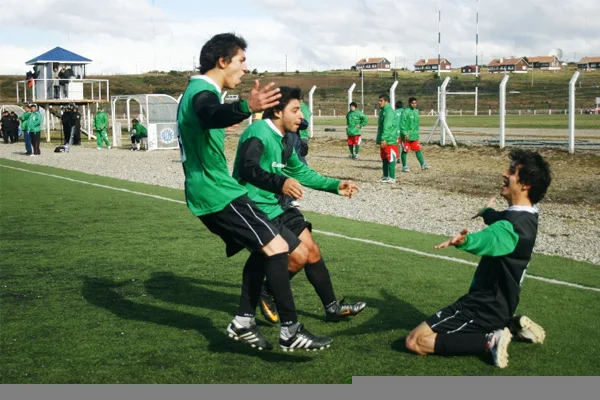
[(532, 170), (411, 99), (135, 121), (399, 104), (223, 45), (353, 104), (384, 97), (287, 94)]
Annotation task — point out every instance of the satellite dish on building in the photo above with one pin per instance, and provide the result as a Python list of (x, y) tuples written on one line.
[(556, 52)]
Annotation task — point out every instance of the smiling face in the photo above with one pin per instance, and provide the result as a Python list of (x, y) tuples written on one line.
[(234, 70), (512, 189)]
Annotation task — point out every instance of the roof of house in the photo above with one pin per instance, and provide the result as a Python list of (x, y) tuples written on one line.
[(371, 60), (586, 60), (542, 59), (504, 61), (431, 61), (58, 54)]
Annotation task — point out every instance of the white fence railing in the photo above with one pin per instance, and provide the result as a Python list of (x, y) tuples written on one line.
[(74, 90)]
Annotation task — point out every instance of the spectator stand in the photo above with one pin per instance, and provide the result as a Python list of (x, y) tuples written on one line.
[(157, 112)]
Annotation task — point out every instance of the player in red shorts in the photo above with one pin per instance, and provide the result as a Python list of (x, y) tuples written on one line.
[(409, 134), (355, 120), (387, 139)]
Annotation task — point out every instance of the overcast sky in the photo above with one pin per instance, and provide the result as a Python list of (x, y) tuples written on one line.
[(133, 36)]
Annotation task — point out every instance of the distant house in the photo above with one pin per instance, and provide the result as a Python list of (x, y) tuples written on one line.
[(549, 62), (470, 69), (589, 63), (516, 65), (431, 64), (374, 64)]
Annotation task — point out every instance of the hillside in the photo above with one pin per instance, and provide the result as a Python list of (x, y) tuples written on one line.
[(541, 91)]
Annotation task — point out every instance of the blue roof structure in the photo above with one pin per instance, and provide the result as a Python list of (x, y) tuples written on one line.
[(58, 54)]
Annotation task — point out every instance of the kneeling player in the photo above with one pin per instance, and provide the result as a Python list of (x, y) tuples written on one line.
[(268, 166), (482, 320)]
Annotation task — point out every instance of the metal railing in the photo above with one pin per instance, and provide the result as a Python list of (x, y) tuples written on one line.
[(78, 89)]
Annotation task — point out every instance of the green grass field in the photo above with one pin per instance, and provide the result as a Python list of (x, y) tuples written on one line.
[(584, 121), (106, 286)]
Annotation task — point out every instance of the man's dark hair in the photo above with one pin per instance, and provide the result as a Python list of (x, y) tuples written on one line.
[(399, 104), (353, 104), (135, 121), (223, 45), (287, 94), (411, 99), (384, 97), (532, 170)]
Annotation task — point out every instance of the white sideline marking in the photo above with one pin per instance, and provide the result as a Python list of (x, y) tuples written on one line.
[(367, 241)]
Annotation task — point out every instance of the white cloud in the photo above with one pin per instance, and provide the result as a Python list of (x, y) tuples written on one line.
[(132, 36)]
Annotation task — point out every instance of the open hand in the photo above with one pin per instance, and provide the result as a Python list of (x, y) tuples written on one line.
[(455, 241), (489, 205), (347, 189), (383, 144), (261, 99)]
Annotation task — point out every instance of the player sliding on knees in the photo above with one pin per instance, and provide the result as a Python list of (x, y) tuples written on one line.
[(483, 320), (269, 168)]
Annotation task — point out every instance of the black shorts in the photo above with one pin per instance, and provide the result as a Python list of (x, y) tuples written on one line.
[(455, 318), (241, 225), (291, 224)]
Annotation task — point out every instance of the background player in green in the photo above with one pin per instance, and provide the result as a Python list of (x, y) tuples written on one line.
[(100, 126), (355, 121), (34, 124), (268, 166), (138, 132), (409, 134), (24, 127), (221, 203), (387, 139), (399, 107), (304, 133), (482, 320)]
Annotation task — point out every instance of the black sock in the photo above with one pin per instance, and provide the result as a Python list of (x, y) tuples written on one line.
[(318, 276), (276, 268), (253, 276), (455, 344), (267, 288)]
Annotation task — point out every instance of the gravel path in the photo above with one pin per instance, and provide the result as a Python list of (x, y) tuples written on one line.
[(569, 231)]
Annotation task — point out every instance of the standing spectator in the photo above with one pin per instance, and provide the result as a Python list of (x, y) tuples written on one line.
[(387, 139), (409, 134), (55, 84), (65, 120), (355, 121), (25, 128), (138, 132), (64, 81), (34, 124), (100, 126), (14, 127), (398, 112), (75, 125), (304, 134), (5, 125)]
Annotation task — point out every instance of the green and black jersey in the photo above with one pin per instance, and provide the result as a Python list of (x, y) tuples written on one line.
[(265, 159), (201, 120), (506, 246)]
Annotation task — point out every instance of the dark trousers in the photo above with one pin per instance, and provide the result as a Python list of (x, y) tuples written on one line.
[(56, 92), (27, 138), (35, 142)]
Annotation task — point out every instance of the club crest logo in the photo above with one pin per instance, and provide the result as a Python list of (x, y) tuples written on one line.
[(167, 136)]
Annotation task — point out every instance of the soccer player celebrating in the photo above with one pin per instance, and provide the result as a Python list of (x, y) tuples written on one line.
[(387, 139), (355, 121), (221, 203), (268, 166), (482, 320)]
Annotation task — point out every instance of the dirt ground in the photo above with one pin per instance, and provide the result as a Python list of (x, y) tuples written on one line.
[(473, 170)]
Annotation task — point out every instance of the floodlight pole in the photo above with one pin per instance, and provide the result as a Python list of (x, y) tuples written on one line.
[(310, 106), (350, 94), (393, 94), (572, 112), (503, 110)]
